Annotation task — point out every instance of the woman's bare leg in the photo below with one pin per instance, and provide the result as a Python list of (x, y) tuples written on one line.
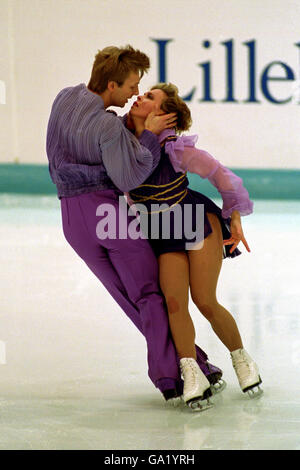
[(174, 283), (205, 265)]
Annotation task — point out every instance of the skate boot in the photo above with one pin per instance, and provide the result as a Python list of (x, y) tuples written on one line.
[(214, 376), (247, 372), (212, 373), (196, 386)]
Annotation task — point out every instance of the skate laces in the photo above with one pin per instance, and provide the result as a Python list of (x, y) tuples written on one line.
[(241, 365), (189, 371)]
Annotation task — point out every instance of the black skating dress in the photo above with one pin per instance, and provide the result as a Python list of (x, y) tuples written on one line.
[(173, 216)]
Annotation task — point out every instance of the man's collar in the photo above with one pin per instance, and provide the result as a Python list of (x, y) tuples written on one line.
[(95, 97)]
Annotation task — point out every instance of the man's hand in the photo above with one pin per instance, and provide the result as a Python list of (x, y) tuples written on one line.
[(154, 122)]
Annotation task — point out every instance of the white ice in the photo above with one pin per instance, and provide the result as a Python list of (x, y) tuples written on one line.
[(73, 371)]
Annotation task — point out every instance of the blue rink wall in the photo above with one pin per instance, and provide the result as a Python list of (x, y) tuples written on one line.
[(260, 183)]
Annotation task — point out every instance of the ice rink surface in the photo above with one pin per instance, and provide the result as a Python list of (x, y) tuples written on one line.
[(73, 371)]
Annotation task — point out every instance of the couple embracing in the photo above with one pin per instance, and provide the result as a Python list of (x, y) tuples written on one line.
[(96, 157)]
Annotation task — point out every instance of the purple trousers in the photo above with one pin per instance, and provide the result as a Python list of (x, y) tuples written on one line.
[(128, 269)]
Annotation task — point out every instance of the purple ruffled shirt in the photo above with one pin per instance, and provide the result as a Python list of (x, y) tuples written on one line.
[(184, 156), (90, 149)]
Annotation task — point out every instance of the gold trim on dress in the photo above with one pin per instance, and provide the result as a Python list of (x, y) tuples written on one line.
[(157, 197), (184, 193), (162, 185), (172, 184)]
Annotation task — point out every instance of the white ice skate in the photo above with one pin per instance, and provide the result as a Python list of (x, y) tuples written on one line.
[(196, 389), (218, 387), (247, 372)]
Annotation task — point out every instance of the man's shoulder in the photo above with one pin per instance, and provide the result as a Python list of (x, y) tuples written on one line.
[(111, 119), (70, 90), (112, 126), (66, 94)]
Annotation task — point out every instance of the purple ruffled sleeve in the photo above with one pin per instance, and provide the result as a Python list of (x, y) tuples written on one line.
[(185, 157)]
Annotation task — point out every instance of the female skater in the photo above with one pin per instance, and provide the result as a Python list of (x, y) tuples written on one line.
[(191, 266)]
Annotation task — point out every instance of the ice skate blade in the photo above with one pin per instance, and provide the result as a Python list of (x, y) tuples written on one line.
[(255, 392), (197, 405), (174, 402), (218, 387)]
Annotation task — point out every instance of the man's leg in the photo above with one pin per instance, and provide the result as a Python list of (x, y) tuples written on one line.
[(139, 297)]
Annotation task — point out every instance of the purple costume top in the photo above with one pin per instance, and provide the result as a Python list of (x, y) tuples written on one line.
[(89, 149), (168, 185), (185, 157)]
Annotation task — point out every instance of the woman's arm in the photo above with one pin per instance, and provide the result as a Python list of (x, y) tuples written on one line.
[(185, 157)]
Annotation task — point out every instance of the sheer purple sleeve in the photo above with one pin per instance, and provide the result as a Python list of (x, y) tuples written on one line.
[(235, 196), (185, 157)]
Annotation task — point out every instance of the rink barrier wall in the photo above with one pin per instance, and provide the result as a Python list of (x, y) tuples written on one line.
[(260, 183)]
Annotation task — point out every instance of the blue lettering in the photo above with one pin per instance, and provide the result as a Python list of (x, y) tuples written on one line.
[(190, 95), (162, 60), (229, 71), (207, 77), (252, 71), (206, 82), (162, 73), (266, 78), (206, 67)]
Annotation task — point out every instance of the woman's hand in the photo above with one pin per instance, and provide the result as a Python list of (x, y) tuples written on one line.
[(237, 234)]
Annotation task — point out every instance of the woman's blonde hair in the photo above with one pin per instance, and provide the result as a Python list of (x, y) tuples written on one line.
[(174, 104)]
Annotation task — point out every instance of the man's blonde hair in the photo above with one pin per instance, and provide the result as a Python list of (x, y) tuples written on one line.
[(174, 104), (115, 64)]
